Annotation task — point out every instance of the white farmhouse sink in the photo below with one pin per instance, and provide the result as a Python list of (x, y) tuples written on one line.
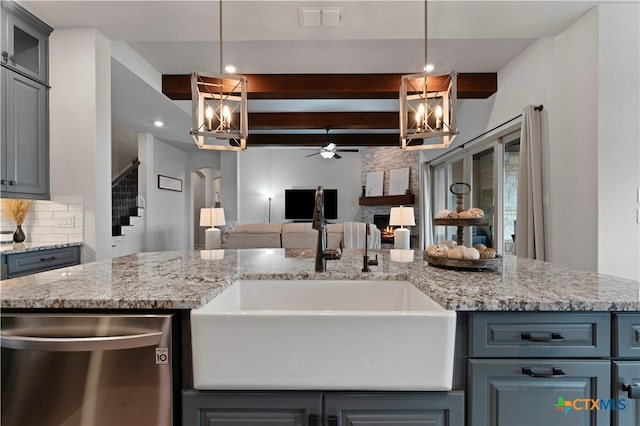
[(357, 335)]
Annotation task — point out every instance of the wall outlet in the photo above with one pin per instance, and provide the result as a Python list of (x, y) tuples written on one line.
[(66, 221)]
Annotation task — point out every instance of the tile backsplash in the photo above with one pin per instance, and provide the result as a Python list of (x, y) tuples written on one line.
[(60, 220)]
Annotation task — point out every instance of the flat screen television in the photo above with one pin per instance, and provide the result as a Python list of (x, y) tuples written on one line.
[(299, 204)]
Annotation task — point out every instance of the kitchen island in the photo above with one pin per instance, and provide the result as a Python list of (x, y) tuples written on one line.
[(190, 279), (527, 333)]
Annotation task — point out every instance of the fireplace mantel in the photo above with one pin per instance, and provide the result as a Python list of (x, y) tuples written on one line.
[(388, 200)]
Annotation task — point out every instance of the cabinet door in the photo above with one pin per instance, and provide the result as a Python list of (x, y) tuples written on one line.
[(394, 409), (4, 182), (42, 260), (26, 141), (535, 392), (627, 373), (251, 408), (25, 42)]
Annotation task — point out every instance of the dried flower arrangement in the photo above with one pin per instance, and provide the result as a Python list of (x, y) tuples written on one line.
[(16, 210)]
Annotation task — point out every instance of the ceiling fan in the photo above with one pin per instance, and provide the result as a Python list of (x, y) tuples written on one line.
[(329, 150)]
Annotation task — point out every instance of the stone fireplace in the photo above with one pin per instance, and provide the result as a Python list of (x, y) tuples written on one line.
[(382, 223)]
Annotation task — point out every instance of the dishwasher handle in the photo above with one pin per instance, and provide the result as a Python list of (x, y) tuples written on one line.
[(80, 344)]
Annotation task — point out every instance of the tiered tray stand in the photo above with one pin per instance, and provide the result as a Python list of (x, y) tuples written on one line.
[(461, 224)]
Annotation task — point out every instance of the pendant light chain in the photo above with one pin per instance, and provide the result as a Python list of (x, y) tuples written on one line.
[(220, 3), (425, 36)]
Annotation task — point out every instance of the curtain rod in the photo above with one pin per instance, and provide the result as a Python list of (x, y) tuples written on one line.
[(537, 108)]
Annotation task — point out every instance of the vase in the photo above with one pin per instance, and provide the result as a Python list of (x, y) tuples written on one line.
[(18, 235)]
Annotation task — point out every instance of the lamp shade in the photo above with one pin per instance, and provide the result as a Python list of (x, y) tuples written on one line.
[(402, 216), (210, 216)]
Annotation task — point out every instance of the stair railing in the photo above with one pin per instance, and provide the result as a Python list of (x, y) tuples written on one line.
[(123, 174)]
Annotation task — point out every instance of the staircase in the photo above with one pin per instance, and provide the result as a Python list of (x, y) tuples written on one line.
[(126, 216)]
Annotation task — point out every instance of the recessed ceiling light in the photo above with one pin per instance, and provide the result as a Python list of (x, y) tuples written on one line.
[(230, 69), (158, 123), (428, 67)]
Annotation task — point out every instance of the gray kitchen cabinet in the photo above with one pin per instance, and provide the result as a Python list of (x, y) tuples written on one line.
[(523, 366), (394, 408), (31, 262), (25, 42), (627, 343), (536, 334), (25, 104), (300, 408), (525, 392), (626, 385), (251, 408), (25, 141), (626, 368)]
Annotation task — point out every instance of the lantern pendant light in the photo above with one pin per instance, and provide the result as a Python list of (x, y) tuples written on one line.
[(427, 107), (219, 119)]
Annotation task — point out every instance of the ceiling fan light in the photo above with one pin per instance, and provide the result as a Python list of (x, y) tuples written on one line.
[(327, 154)]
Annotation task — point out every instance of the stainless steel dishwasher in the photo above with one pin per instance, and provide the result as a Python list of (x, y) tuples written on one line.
[(77, 369)]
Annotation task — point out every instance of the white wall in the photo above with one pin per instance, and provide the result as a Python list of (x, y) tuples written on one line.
[(124, 148), (618, 140), (229, 183), (472, 117), (167, 221), (169, 216), (573, 165), (587, 80), (80, 130), (262, 171)]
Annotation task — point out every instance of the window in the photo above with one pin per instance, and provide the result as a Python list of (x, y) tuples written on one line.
[(511, 162), (483, 195), (491, 168)]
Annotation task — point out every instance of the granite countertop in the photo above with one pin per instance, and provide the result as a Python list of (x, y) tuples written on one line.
[(27, 247), (189, 279)]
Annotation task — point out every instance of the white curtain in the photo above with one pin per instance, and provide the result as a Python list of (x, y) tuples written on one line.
[(426, 210), (530, 224)]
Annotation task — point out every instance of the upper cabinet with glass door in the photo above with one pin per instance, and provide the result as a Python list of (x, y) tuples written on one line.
[(24, 42)]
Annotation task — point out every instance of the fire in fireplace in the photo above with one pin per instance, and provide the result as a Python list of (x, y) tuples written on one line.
[(382, 223)]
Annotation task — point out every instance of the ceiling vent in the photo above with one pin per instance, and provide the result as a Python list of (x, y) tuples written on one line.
[(320, 16)]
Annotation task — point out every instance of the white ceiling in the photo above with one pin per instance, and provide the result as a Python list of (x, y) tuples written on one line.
[(262, 36)]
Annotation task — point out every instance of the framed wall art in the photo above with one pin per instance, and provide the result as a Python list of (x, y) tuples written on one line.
[(399, 181), (375, 181), (169, 183)]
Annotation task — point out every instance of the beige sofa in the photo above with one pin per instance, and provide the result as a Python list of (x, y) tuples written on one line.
[(254, 235), (298, 236)]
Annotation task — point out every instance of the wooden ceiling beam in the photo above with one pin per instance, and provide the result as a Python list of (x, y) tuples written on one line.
[(317, 140), (332, 86), (322, 120)]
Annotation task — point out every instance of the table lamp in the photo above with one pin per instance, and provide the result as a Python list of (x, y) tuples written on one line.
[(212, 217), (401, 216)]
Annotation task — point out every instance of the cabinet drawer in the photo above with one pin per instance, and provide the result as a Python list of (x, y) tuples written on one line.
[(627, 335), (530, 392), (41, 260), (512, 335)]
